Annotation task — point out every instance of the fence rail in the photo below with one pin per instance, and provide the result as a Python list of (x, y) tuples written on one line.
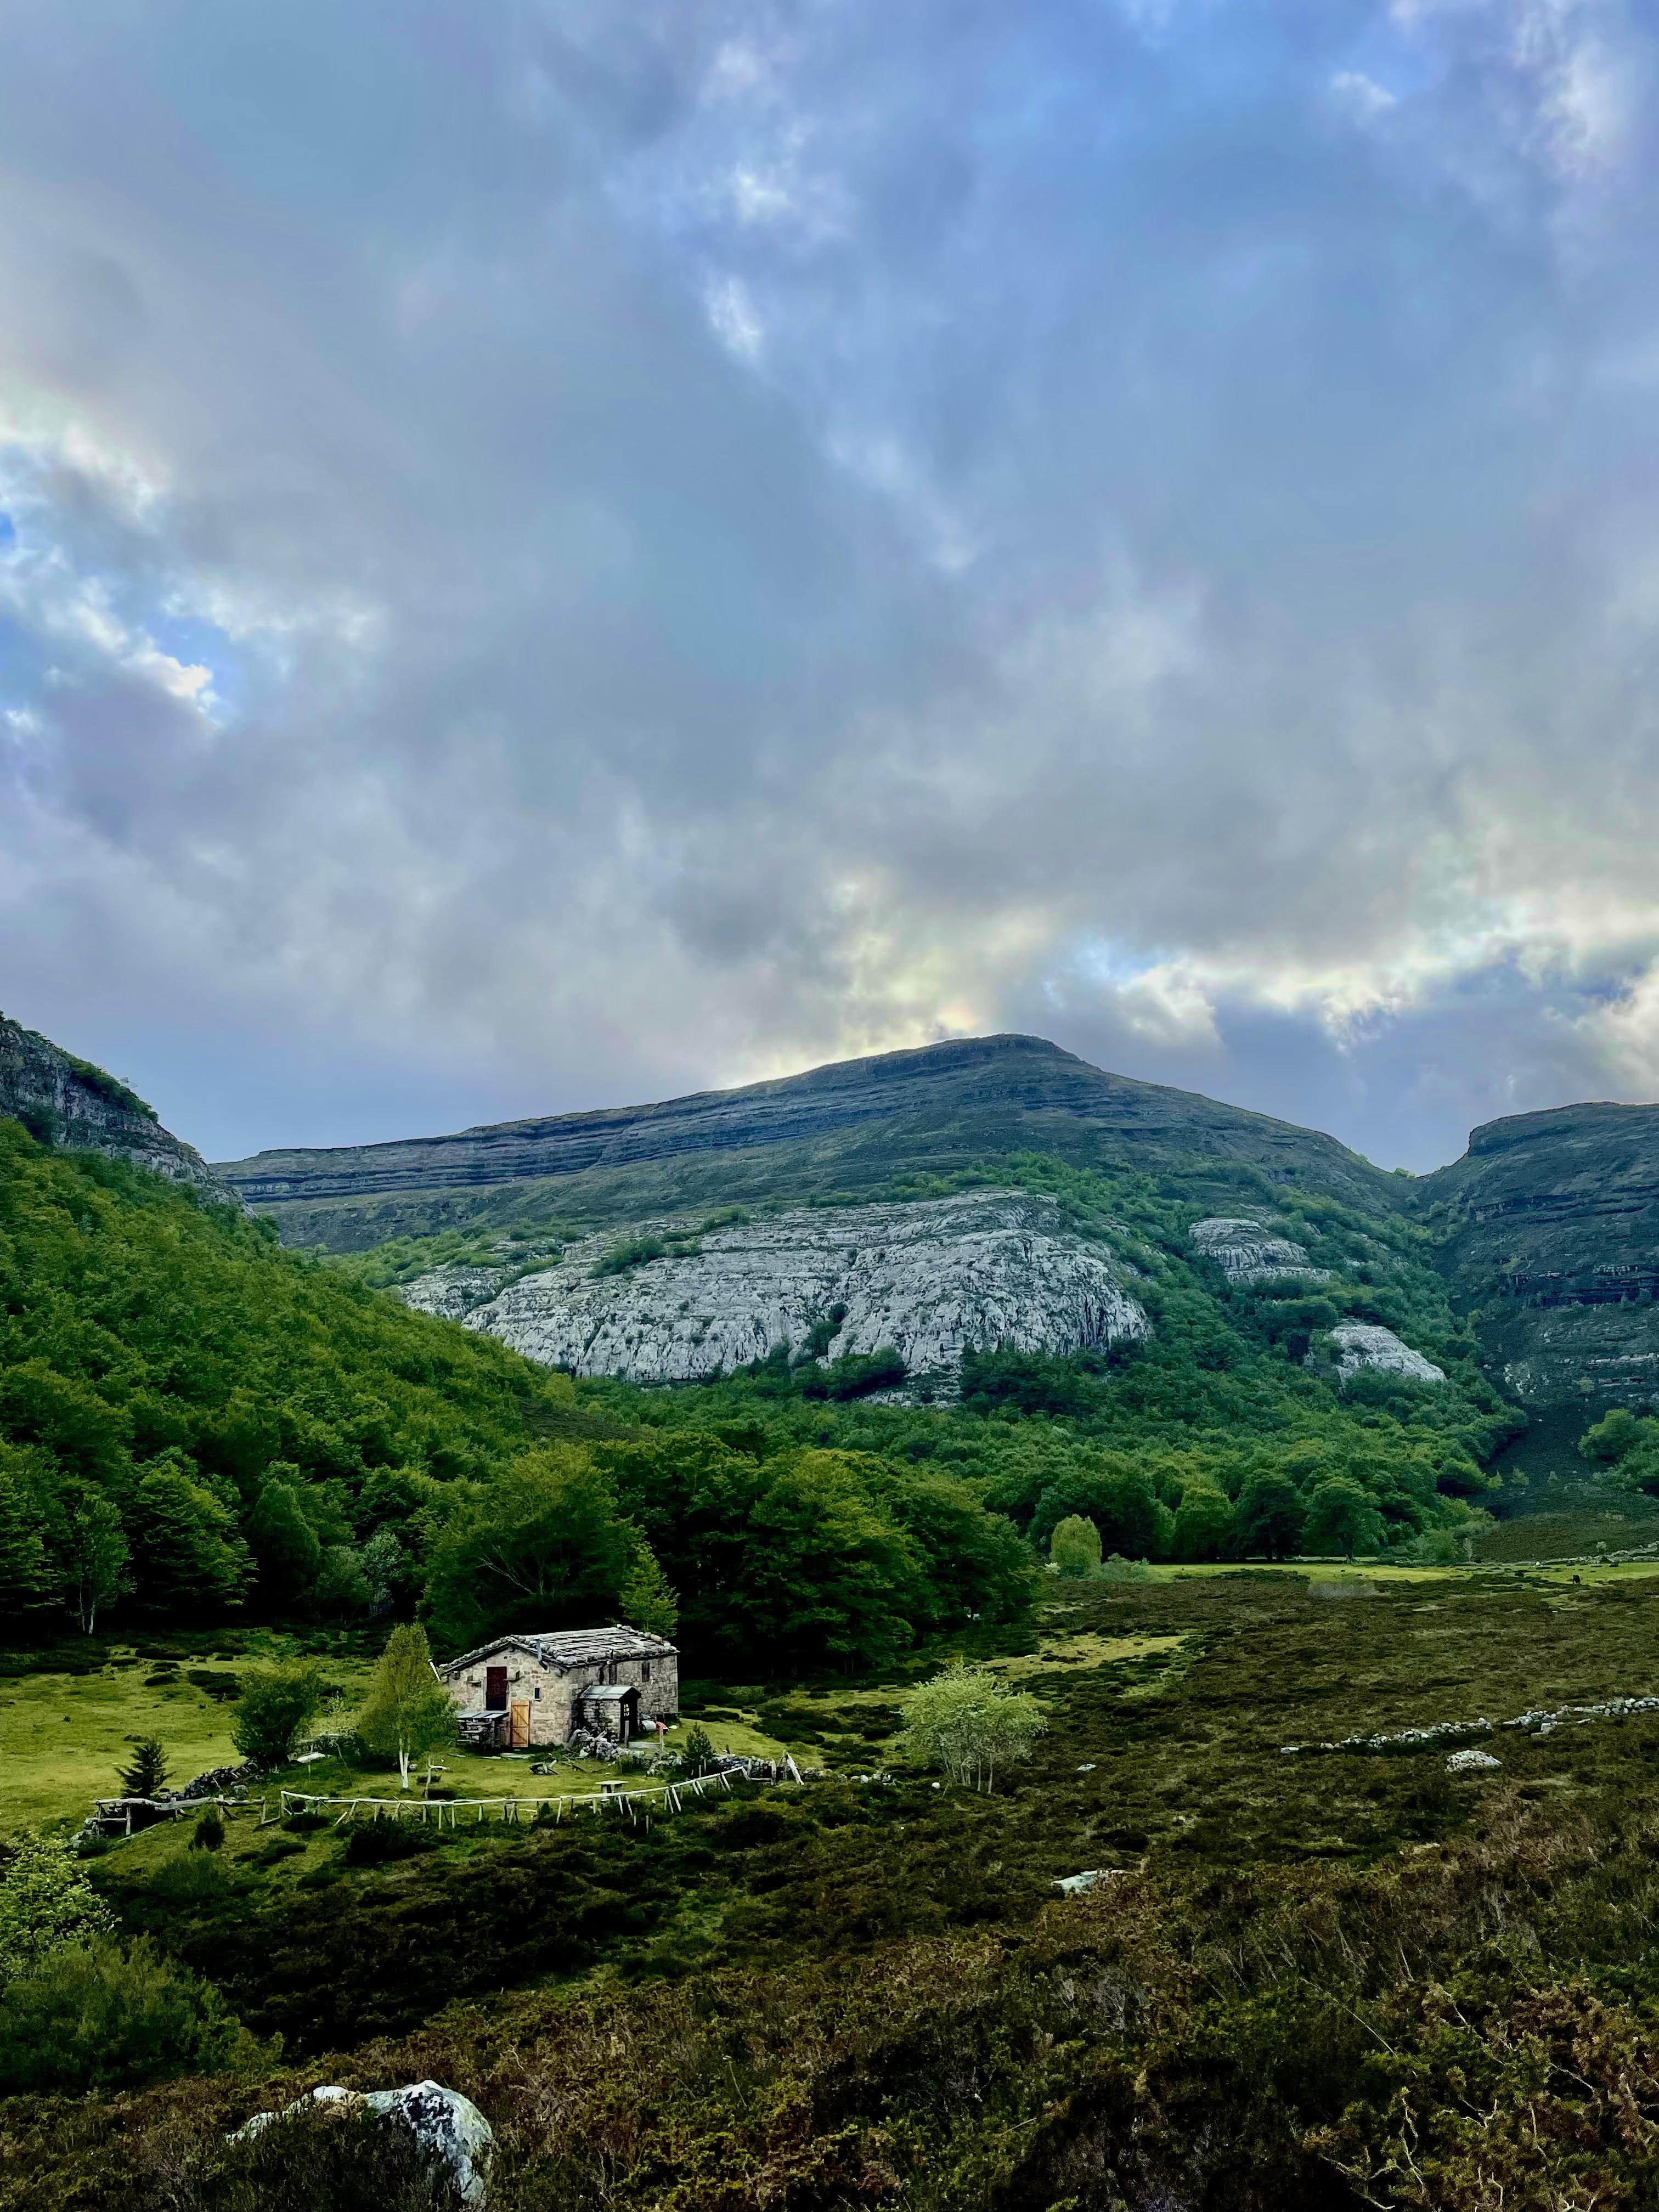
[(110, 1812), (670, 1795)]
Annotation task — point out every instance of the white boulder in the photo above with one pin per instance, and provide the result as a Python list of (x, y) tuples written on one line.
[(1361, 1345), (448, 2129), (1073, 1885)]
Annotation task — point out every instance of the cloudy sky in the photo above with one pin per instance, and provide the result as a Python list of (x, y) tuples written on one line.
[(555, 552)]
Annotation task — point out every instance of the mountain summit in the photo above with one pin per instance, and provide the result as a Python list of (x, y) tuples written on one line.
[(854, 1127)]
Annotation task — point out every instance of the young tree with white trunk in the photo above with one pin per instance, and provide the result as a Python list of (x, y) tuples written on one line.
[(410, 1714), (968, 1723)]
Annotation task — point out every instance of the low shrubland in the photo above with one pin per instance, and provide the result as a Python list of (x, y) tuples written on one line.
[(1299, 1981)]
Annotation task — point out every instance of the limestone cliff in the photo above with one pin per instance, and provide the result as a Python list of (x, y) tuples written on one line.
[(64, 1101), (1247, 1252), (1550, 1225), (930, 1279)]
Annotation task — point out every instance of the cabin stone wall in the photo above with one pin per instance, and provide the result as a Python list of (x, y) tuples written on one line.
[(552, 1687)]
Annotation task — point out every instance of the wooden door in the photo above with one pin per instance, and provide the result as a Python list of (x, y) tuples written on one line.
[(519, 1724), (494, 1689)]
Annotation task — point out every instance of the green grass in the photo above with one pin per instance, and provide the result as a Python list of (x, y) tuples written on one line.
[(64, 1737)]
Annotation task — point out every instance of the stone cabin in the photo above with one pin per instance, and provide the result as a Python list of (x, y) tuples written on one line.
[(519, 1692)]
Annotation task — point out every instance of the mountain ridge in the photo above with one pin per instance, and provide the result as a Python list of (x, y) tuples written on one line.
[(931, 1109), (1545, 1231), (62, 1100)]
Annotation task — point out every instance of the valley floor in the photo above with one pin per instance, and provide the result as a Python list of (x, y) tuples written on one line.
[(1314, 1981)]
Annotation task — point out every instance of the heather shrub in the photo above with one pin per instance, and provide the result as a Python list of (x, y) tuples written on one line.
[(104, 2016)]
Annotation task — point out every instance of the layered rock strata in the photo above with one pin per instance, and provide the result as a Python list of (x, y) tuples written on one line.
[(1550, 1237), (932, 1279), (852, 1126), (64, 1101)]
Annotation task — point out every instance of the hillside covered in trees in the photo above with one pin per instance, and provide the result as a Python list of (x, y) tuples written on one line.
[(196, 1423)]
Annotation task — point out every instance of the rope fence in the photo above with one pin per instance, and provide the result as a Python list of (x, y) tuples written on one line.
[(514, 1811)]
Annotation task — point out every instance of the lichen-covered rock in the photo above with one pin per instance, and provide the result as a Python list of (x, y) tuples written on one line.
[(1361, 1345), (932, 1278), (448, 2128), (1250, 1252), (1472, 1762)]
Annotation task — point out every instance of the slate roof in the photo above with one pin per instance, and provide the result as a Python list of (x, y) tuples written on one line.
[(571, 1647)]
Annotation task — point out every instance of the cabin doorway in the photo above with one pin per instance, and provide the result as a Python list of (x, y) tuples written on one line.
[(494, 1689), (611, 1709), (518, 1724)]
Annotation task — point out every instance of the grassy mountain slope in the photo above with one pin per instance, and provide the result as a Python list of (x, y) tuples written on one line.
[(164, 1354)]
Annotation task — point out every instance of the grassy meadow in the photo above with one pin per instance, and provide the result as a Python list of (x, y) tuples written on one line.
[(64, 1737)]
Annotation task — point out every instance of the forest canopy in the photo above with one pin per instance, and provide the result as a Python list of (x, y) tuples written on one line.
[(191, 1418)]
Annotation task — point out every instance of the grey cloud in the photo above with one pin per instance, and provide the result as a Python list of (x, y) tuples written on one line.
[(754, 532)]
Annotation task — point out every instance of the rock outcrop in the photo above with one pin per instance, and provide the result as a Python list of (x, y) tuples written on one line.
[(60, 1100), (930, 1279), (1551, 1225), (852, 1127), (1250, 1252), (1361, 1345), (450, 2134)]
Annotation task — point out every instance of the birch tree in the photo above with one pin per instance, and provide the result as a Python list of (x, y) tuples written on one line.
[(409, 1714), (94, 1551), (968, 1723)]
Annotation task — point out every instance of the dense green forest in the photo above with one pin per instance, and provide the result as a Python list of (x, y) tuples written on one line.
[(191, 1419), (194, 1422)]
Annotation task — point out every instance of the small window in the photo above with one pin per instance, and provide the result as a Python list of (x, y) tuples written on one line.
[(645, 1670)]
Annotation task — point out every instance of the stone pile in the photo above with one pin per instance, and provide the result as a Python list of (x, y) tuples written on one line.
[(219, 1785)]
